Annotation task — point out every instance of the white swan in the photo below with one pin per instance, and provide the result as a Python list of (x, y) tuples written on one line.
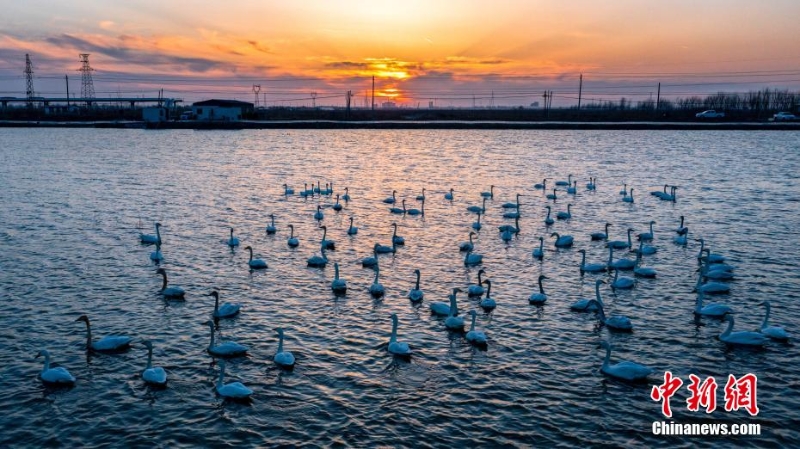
[(151, 239), (284, 359), (478, 210), (169, 292), (232, 241), (629, 197), (592, 185), (346, 196), (392, 199), (328, 190), (624, 190), (156, 255), (573, 189), (711, 288), (622, 283), (591, 267), (681, 239), (741, 338), (476, 337), (476, 290), (586, 305), (256, 264), (420, 211), (399, 210), (512, 205), (552, 196), (646, 250), (227, 349), (153, 375), (514, 229), (548, 220), (670, 196), (477, 225), (472, 259), (489, 194), (640, 271), (327, 244), (287, 190), (54, 376), (421, 197), (338, 285), (621, 244), (562, 241), (442, 308), (416, 294), (225, 310), (318, 261), (540, 297), (647, 236), (628, 371), (383, 249), (376, 289), (467, 246), (681, 229), (488, 303), (449, 195), (233, 390), (773, 332), (396, 239), (304, 193), (619, 323), (395, 347), (271, 229), (542, 186), (713, 310), (561, 215), (538, 253), (506, 235), (710, 258), (352, 230), (372, 260), (337, 206), (600, 235), (318, 215), (660, 193), (718, 274), (109, 343), (453, 321), (619, 264), (316, 189), (293, 242), (568, 182)]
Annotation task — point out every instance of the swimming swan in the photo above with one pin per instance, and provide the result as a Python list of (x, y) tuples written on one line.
[(109, 343), (232, 241), (226, 349), (475, 337), (54, 376), (151, 239), (284, 359), (169, 292), (395, 347), (416, 294), (293, 242), (540, 297), (741, 338), (628, 371), (153, 376), (256, 264), (233, 390), (226, 310), (773, 332), (338, 285)]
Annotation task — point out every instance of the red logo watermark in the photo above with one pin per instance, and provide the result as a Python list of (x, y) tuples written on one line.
[(739, 393)]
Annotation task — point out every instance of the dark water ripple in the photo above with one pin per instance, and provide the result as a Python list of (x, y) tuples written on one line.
[(76, 200)]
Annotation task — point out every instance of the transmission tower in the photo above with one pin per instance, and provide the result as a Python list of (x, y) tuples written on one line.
[(256, 90), (87, 86), (313, 99), (29, 79)]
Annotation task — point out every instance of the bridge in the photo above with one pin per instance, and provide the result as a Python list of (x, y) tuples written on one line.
[(46, 101)]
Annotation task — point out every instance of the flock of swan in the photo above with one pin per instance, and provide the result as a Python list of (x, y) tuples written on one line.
[(713, 271)]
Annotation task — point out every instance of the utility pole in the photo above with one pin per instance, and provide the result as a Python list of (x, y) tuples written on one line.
[(348, 96), (29, 80), (580, 91), (373, 92), (256, 90), (66, 78), (658, 97)]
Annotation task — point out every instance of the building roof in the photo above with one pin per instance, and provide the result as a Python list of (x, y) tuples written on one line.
[(225, 103)]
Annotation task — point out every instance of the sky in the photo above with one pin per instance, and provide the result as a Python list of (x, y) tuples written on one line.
[(448, 53)]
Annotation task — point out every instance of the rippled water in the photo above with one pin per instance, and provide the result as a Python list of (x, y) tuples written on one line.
[(74, 202)]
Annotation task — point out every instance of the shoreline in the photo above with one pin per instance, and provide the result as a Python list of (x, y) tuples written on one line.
[(391, 124)]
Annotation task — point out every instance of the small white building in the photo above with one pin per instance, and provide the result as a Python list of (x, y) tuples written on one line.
[(221, 110), (155, 114)]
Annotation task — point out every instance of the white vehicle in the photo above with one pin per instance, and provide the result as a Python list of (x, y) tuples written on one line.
[(781, 116), (710, 114)]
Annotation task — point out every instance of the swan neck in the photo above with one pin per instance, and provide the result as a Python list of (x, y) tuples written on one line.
[(216, 305), (472, 326), (377, 273), (250, 250), (597, 293), (46, 361), (280, 342), (766, 317), (88, 335), (211, 344), (453, 305), (393, 338), (600, 311), (163, 281), (541, 288), (418, 276), (220, 383), (336, 271), (158, 234), (607, 358), (728, 329), (149, 357)]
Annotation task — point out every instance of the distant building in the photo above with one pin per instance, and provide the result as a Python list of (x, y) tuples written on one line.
[(221, 110), (388, 105), (155, 114)]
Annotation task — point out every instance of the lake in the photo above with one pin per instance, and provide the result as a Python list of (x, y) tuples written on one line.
[(76, 200)]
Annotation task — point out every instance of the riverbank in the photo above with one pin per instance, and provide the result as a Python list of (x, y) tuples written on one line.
[(422, 124)]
